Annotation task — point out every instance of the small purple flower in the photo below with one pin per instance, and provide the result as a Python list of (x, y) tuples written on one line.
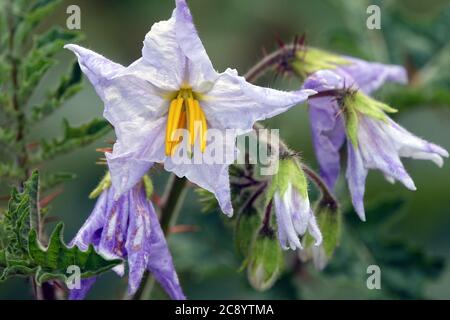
[(128, 228), (374, 141), (174, 86)]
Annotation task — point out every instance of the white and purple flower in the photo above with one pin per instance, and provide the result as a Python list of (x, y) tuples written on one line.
[(293, 211), (374, 141), (128, 228), (174, 86)]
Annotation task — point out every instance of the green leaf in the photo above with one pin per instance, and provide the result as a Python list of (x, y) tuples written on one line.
[(74, 137), (265, 262), (33, 16), (10, 170), (52, 180), (21, 253), (67, 88), (52, 262)]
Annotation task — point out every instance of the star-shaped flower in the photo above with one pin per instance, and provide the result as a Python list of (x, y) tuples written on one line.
[(342, 112), (128, 228), (174, 86)]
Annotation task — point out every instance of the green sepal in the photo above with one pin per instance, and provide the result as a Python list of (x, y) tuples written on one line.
[(312, 60), (104, 184), (52, 262), (265, 262), (148, 186), (246, 229)]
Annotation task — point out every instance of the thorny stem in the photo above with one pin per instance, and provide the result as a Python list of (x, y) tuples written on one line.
[(171, 204)]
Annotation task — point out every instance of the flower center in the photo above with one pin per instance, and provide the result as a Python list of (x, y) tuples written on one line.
[(185, 113)]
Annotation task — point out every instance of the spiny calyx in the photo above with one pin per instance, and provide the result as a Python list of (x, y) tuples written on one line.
[(185, 113)]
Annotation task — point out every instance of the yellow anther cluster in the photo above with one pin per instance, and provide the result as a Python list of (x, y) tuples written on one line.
[(185, 113)]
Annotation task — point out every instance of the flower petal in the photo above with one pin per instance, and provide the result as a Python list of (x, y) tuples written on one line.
[(369, 76), (327, 127), (86, 285), (112, 242), (138, 237), (233, 103), (356, 178), (212, 177), (379, 151), (160, 261), (91, 230), (408, 145), (140, 145), (200, 67), (126, 97), (287, 235)]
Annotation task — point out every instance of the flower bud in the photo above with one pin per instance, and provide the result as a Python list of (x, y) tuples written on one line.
[(247, 226), (264, 262), (329, 219)]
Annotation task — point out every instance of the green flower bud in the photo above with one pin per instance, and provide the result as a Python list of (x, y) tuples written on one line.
[(265, 261), (329, 219)]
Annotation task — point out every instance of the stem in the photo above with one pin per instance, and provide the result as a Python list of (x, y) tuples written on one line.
[(268, 62), (172, 201)]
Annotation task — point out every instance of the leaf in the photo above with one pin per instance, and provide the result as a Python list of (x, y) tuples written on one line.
[(74, 137), (67, 88), (33, 16), (52, 180), (52, 262), (21, 253)]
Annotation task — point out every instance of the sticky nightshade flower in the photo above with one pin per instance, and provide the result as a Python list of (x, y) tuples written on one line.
[(292, 208), (374, 141), (128, 228), (174, 86)]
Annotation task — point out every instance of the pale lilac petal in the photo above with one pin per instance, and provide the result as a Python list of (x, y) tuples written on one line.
[(287, 235), (328, 135), (301, 210), (91, 230), (138, 238), (133, 155), (211, 177), (314, 230), (379, 152), (163, 62), (126, 97), (160, 262), (327, 126), (112, 241), (200, 67), (356, 178), (411, 146), (86, 285), (371, 75), (233, 103)]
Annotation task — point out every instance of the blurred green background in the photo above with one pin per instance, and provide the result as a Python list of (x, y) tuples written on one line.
[(414, 33)]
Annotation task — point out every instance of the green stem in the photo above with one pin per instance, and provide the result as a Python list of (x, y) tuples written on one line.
[(171, 204)]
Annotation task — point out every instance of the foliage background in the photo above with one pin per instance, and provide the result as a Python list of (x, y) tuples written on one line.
[(413, 32)]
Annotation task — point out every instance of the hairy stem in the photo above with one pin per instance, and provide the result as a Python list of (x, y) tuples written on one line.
[(268, 62), (171, 204)]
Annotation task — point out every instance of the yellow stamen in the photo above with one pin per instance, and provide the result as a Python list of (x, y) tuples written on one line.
[(173, 119), (204, 127), (191, 118), (181, 125)]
